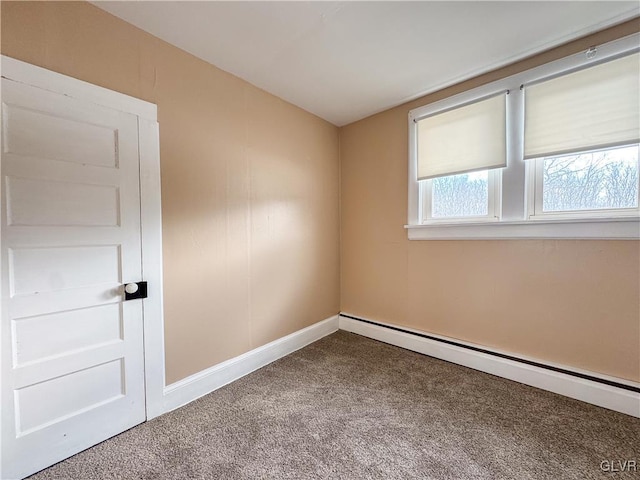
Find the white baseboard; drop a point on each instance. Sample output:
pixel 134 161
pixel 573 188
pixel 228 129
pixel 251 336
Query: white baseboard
pixel 589 391
pixel 189 389
pixel 202 383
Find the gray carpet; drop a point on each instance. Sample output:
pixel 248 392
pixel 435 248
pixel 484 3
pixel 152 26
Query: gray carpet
pixel 347 407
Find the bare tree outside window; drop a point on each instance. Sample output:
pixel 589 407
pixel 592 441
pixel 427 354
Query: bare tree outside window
pixel 465 195
pixel 603 179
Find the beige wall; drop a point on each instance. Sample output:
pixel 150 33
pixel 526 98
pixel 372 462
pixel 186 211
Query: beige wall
pixel 250 212
pixel 572 302
pixel 249 183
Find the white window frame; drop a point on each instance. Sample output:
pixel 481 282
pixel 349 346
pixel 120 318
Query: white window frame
pixel 515 208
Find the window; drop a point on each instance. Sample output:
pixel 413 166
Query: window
pixel 457 151
pixel 548 153
pixel 596 183
pixel 465 195
pixel 472 197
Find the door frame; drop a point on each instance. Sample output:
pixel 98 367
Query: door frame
pixel 150 205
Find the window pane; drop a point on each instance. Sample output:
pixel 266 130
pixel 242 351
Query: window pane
pixel 592 180
pixel 463 195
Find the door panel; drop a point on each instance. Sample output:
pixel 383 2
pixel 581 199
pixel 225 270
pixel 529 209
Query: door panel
pixel 69 394
pixel 72 349
pixel 52 136
pixel 42 336
pixel 39 203
pixel 35 270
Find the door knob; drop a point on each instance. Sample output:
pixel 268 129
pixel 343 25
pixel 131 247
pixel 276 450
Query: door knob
pixel 135 290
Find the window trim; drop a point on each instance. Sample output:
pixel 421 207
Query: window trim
pixel 620 228
pixel 516 190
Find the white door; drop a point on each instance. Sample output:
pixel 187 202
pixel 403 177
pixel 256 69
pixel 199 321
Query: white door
pixel 72 348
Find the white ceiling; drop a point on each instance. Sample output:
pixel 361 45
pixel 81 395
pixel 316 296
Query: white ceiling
pixel 344 61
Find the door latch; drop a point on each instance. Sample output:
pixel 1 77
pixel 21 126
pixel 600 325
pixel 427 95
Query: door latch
pixel 135 290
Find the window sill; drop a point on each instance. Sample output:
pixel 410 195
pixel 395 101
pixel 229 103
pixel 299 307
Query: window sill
pixel 622 228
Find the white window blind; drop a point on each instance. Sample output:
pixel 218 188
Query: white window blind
pixel 592 108
pixel 468 138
